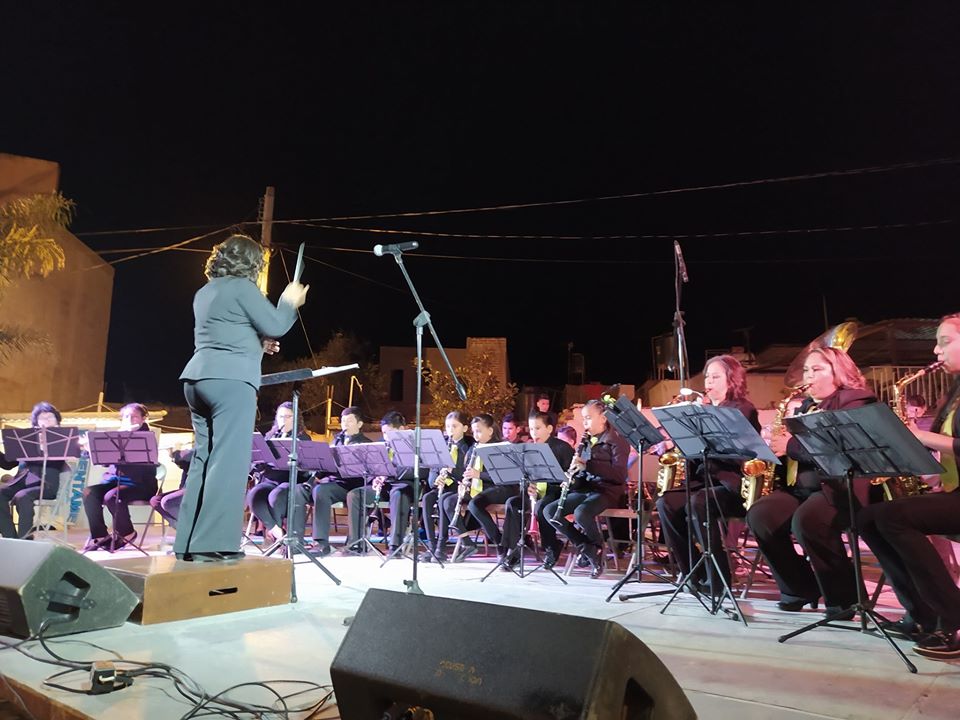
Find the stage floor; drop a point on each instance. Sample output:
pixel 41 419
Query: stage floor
pixel 727 670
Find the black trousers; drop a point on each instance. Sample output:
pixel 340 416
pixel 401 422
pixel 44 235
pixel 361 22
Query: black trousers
pixel 672 508
pixel 431 502
pixel 115 499
pixel 401 498
pixel 584 506
pixel 21 493
pixel 548 533
pixel 817 522
pixel 258 500
pixel 324 497
pixel 496 495
pixel 897 533
pixel 464 522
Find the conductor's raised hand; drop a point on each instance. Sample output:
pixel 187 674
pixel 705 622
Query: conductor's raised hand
pixel 295 294
pixel 270 346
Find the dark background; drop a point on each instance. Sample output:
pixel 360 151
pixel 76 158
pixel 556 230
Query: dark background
pixel 181 115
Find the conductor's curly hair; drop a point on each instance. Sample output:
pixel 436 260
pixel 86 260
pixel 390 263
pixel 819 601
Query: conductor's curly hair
pixel 237 256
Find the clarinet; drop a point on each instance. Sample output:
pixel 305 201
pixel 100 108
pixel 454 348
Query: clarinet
pixel 463 486
pixel 570 474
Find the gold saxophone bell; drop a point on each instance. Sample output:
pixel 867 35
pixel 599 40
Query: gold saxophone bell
pixel 671 472
pixel 754 467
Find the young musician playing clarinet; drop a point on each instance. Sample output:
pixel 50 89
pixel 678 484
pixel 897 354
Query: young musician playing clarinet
pixel 445 483
pixel 541 431
pixel 604 462
pixel 475 481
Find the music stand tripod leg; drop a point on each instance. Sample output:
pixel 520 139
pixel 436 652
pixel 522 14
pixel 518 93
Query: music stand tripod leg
pixel 861 606
pixel 636 563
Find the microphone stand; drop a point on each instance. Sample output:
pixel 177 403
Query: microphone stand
pixel 419 322
pixel 680 333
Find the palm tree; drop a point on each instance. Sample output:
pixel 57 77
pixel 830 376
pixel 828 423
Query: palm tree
pixel 28 249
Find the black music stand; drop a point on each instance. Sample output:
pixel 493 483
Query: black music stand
pixel 869 441
pixel 366 460
pixel 122 447
pixel 434 454
pixel 311 457
pixel 520 464
pixel 293 541
pixel 624 417
pixel 713 433
pixel 42 445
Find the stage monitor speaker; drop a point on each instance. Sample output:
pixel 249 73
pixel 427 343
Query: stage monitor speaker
pixel 414 656
pixel 44 583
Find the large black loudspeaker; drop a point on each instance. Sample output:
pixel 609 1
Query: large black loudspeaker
pixel 42 582
pixel 409 655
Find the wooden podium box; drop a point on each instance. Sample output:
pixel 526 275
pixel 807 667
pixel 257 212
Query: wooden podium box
pixel 171 589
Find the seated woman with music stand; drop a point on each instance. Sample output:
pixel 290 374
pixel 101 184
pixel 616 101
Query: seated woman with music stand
pixel 23 489
pixel 121 485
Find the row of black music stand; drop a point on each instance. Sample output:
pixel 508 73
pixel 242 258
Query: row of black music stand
pixel 869 442
pixel 57 444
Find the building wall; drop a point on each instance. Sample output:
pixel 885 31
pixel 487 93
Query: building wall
pixel 71 306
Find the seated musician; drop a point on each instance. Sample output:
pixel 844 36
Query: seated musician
pixel 399 489
pixel 897 531
pixel 23 488
pixel 475 481
pixel 121 484
pixel 568 434
pixel 493 494
pixel 442 484
pixel 603 464
pixel 167 504
pixel 725 382
pixel 811 506
pixel 541 431
pixel 333 489
pixel 267 499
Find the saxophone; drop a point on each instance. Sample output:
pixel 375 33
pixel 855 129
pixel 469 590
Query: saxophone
pixel 572 476
pixel 758 475
pixel 672 471
pixel 905 486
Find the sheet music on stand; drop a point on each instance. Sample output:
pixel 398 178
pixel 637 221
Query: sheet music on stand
pixel 262 453
pixel 869 441
pixel 720 432
pixel 510 463
pixel 312 455
pixel 27 444
pixel 434 452
pixel 122 447
pixel 363 460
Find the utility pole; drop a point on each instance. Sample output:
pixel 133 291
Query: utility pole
pixel 266 233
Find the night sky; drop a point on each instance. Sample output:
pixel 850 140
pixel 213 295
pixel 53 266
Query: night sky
pixel 183 114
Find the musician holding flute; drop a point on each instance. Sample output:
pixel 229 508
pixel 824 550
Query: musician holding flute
pixel 897 531
pixel 602 472
pixel 725 382
pixel 444 482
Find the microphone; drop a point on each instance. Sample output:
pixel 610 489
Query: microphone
pixel 680 263
pixel 395 249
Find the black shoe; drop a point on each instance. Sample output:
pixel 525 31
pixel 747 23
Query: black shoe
pixel 797 604
pixel 840 612
pixel 118 541
pixel 582 559
pixel 208 557
pixel 94 544
pixel 466 550
pixel 594 555
pixel 428 556
pixel 939 646
pixel 351 550
pixel 319 549
pixel 904 628
pixel 549 558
